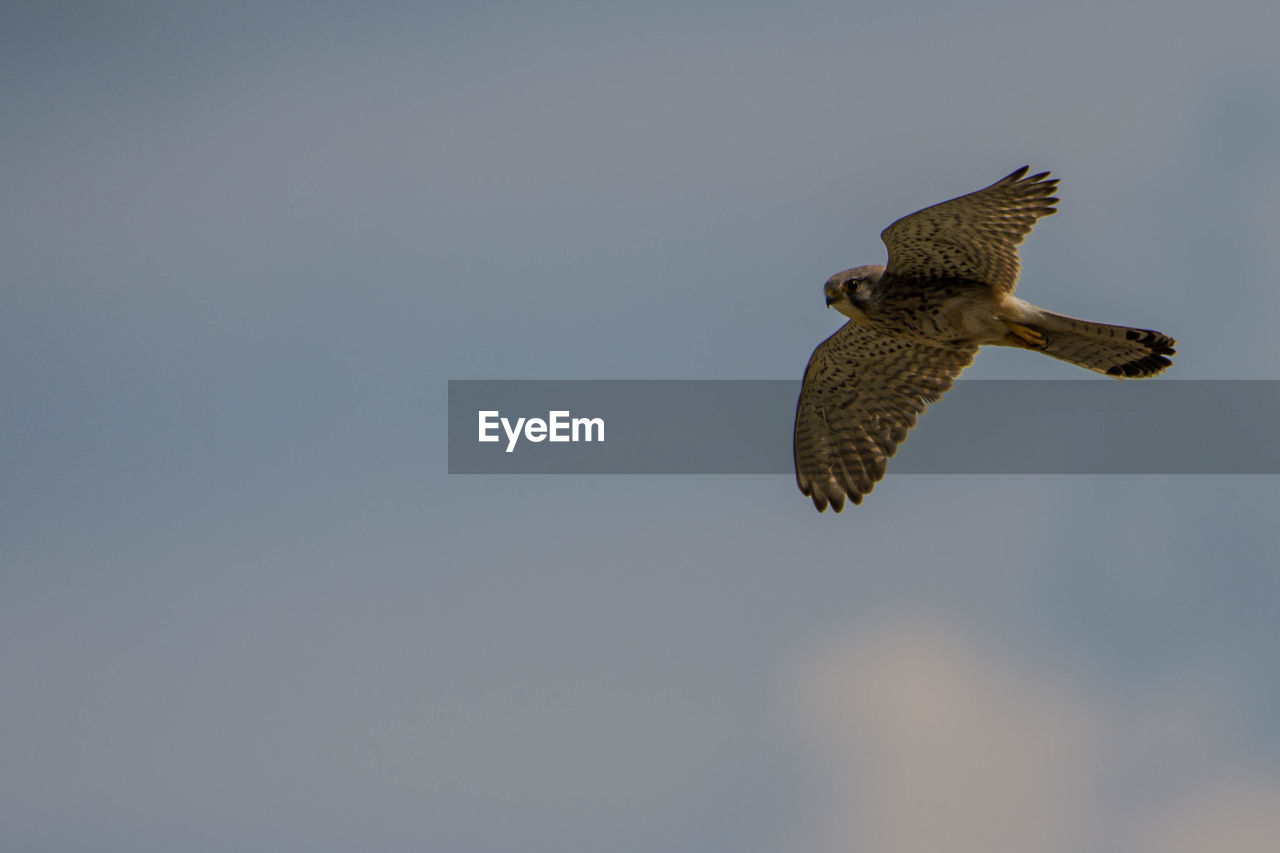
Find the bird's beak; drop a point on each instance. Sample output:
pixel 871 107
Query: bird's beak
pixel 831 300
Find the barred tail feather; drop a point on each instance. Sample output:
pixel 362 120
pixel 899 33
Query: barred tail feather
pixel 1118 351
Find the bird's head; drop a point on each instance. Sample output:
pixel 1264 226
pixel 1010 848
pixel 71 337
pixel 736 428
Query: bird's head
pixel 850 291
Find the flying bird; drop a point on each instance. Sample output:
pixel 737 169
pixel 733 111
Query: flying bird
pixel 915 323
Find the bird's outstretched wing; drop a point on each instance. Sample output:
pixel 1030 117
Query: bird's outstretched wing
pixel 862 392
pixel 973 237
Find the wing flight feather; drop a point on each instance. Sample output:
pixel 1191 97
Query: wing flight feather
pixel 862 393
pixel 973 237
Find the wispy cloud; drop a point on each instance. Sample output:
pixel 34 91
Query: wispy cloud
pixel 926 735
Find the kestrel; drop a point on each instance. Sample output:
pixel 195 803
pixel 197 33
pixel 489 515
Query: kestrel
pixel 916 323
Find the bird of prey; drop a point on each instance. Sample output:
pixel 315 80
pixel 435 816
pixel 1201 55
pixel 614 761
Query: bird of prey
pixel 915 323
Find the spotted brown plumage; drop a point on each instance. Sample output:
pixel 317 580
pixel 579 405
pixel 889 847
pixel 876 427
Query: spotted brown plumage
pixel 916 323
pixel 973 237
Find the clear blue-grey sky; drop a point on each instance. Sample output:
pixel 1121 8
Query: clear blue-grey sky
pixel 243 606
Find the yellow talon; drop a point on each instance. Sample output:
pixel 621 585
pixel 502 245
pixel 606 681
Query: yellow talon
pixel 1029 336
